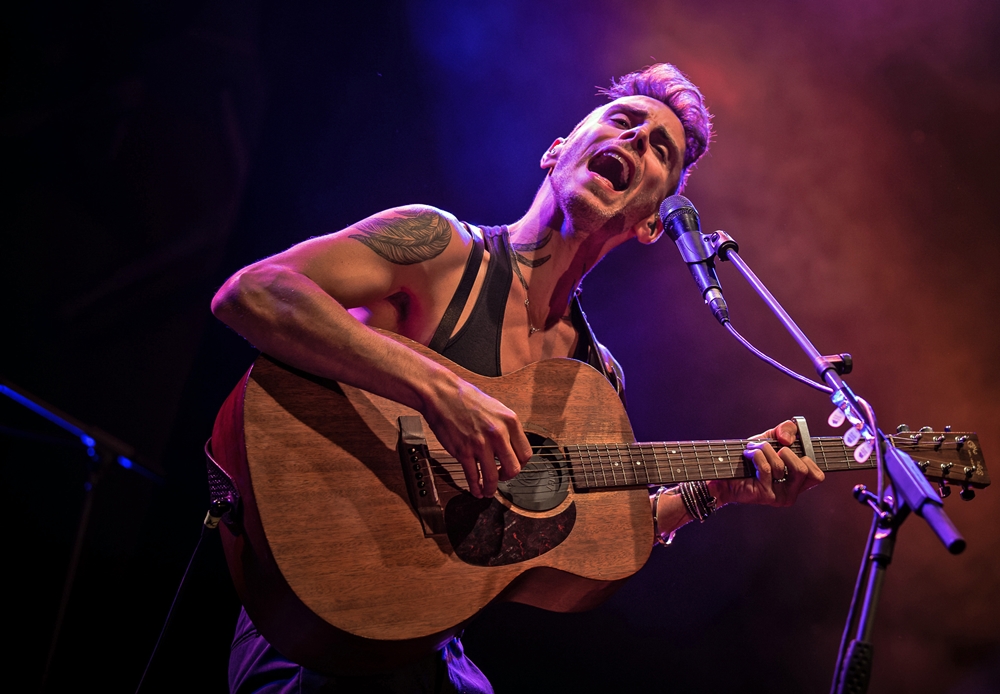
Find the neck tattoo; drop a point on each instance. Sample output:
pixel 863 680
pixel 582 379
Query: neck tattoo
pixel 527 302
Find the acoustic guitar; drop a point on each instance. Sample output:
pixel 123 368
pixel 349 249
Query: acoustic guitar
pixel 355 545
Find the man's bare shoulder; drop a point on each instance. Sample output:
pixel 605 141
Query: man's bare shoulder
pixel 410 234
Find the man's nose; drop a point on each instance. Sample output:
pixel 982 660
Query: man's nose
pixel 638 137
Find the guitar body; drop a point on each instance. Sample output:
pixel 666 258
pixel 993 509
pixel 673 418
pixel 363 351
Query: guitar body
pixel 331 558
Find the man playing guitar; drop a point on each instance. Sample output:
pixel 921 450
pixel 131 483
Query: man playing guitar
pixel 493 299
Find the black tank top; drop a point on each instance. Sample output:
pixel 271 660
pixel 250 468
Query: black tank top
pixel 477 345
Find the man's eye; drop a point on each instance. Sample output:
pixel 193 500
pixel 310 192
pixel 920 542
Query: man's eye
pixel 621 121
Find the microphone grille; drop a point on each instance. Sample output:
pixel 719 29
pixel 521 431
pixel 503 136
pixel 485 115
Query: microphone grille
pixel 675 205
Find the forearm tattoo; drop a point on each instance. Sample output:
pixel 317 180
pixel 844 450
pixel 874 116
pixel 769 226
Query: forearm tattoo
pixel 530 247
pixel 412 236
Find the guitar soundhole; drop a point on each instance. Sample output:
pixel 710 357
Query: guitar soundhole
pixel 543 483
pixel 484 532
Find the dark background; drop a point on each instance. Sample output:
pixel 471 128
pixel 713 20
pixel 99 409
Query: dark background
pixel 150 149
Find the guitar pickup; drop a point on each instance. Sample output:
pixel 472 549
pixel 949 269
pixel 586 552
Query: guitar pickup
pixel 416 461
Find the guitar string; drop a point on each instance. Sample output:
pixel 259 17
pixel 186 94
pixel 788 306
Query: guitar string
pixel 581 480
pixel 843 460
pixel 697 447
pixel 834 442
pixel 581 475
pixel 733 456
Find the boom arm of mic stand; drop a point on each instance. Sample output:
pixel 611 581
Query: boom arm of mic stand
pixel 907 478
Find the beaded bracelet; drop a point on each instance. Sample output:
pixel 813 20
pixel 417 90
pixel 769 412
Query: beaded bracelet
pixel 698 502
pixel 706 502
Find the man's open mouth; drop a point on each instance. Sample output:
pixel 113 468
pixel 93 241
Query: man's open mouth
pixel 614 167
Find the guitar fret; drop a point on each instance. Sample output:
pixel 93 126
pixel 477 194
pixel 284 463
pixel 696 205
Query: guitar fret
pixel 621 464
pixel 656 462
pixel 645 463
pixel 738 465
pixel 595 462
pixel 587 468
pixel 729 460
pixel 612 464
pixel 595 468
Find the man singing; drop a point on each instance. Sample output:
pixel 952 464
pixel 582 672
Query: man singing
pixel 492 299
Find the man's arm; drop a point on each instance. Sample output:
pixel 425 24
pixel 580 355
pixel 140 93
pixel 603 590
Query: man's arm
pixel 294 306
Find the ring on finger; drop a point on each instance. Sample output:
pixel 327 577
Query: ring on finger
pixel 784 477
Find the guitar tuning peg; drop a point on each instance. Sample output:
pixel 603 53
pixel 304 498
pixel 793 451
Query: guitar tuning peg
pixel 967 493
pixel 902 428
pixel 924 430
pixel 947 428
pixel 944 489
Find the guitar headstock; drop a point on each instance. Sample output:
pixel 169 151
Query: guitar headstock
pixel 947 457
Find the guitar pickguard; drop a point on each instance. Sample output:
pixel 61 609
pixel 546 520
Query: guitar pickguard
pixel 484 532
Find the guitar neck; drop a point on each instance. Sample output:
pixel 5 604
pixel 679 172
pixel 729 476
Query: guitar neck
pixel 608 466
pixel 947 456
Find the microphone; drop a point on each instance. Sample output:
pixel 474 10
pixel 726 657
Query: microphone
pixel 680 221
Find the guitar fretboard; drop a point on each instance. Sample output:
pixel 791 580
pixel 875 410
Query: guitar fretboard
pixel 608 466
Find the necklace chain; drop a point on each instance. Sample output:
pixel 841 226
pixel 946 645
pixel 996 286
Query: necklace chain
pixel 527 301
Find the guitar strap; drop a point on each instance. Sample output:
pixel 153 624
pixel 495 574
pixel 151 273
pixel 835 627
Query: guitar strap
pixel 596 354
pixel 461 296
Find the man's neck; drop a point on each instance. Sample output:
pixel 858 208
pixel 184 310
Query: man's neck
pixel 554 255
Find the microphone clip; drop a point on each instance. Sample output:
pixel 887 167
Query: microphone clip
pixel 695 247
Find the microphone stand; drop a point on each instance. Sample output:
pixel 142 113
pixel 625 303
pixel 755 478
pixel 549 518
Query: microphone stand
pixel 103 450
pixel 912 490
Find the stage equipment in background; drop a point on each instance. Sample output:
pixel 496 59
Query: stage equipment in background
pixel 348 516
pixel 221 502
pixel 902 484
pixel 103 451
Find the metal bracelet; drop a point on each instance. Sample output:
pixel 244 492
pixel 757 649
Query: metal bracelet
pixel 659 536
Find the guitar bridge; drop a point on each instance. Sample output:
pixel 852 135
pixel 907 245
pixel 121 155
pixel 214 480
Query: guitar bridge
pixel 415 458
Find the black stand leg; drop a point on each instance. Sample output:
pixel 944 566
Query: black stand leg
pixel 853 671
pixel 96 472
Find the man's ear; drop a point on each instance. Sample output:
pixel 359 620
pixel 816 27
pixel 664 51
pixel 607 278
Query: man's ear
pixel 650 229
pixel 551 155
